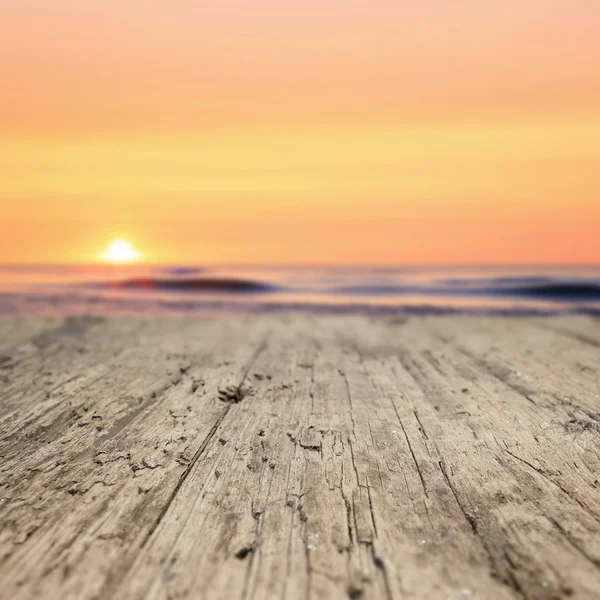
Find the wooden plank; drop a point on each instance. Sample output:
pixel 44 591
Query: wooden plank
pixel 43 368
pixel 527 486
pixel 550 370
pixel 302 457
pixel 15 331
pixel 95 493
pixel 583 329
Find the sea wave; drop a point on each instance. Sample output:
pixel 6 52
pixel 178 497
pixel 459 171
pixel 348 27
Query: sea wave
pixel 549 290
pixel 556 290
pixel 501 281
pixel 187 289
pixel 196 284
pixel 60 304
pixel 182 271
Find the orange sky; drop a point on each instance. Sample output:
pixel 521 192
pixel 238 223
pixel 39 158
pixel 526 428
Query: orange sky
pixel 381 131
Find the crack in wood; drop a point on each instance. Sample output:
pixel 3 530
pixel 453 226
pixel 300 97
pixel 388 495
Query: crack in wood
pixel 414 458
pixel 113 583
pixel 563 489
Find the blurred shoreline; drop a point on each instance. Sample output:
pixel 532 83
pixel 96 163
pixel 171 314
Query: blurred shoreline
pixel 142 289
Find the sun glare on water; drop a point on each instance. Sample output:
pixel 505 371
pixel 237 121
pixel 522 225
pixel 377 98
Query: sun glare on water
pixel 120 251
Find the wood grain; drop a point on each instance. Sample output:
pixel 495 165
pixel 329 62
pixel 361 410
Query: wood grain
pixel 300 457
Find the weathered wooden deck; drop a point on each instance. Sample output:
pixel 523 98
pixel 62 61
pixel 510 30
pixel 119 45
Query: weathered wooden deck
pixel 300 457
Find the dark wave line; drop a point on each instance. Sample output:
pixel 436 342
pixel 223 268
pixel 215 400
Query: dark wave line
pixel 231 286
pixel 557 291
pixel 550 290
pixel 508 281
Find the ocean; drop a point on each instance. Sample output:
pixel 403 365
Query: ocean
pixel 128 290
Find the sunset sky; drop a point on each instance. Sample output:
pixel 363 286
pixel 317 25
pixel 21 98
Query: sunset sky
pixel 301 131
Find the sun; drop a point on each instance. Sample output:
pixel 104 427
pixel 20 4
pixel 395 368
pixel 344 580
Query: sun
pixel 120 251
